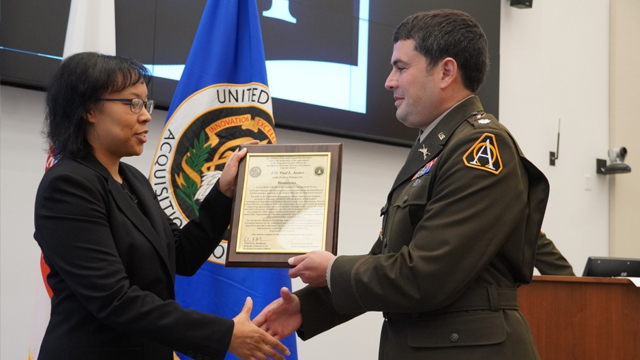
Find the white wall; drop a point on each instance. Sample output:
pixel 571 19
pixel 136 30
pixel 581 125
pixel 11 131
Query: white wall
pixel 22 160
pixel 554 65
pixel 624 127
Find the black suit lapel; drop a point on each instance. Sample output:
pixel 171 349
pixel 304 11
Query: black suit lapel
pixel 130 209
pixel 148 204
pixel 152 225
pixel 427 150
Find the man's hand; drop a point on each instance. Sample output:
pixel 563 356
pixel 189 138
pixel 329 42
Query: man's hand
pixel 311 267
pixel 250 342
pixel 282 317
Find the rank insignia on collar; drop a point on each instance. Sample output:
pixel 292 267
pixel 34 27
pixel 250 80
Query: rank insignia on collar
pixel 425 152
pixel 424 170
pixel 441 136
pixel 484 155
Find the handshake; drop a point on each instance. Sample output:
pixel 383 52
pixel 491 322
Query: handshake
pixel 259 339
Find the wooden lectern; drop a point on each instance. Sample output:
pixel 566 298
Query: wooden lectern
pixel 583 317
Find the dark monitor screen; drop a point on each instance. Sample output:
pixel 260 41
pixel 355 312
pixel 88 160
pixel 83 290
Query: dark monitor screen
pixel 611 267
pixel 327 60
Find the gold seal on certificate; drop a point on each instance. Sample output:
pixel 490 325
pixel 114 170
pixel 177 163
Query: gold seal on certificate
pixel 285 204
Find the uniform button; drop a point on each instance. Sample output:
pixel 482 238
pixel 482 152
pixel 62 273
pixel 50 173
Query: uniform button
pixel 454 337
pixel 190 353
pixel 207 358
pixel 199 357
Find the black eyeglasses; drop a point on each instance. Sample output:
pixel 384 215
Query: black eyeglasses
pixel 136 104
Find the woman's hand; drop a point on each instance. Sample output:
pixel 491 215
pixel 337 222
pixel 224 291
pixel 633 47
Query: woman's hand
pixel 250 342
pixel 227 182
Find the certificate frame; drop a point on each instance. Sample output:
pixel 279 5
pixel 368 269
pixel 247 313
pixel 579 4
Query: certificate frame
pixel 239 254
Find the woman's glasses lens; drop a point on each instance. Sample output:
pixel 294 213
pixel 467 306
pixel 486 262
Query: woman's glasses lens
pixel 137 105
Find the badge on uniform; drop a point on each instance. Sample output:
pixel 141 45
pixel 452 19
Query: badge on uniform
pixel 425 152
pixel 484 155
pixel 425 169
pixel 479 117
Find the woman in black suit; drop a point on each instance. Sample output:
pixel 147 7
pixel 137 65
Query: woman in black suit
pixel 112 251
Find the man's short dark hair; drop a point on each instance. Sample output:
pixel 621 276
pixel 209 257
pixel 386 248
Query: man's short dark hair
pixel 449 33
pixel 75 88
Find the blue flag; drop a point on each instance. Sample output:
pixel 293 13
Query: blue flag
pixel 222 101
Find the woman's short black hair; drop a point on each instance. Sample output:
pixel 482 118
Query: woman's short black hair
pixel 78 84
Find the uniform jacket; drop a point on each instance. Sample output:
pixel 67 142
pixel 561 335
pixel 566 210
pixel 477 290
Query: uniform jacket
pixel 113 263
pixel 549 260
pixel 459 235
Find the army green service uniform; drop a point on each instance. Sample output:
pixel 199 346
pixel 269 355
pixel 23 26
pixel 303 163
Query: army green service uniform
pixel 459 236
pixel 549 260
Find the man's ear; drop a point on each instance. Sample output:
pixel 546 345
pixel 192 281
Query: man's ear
pixel 449 68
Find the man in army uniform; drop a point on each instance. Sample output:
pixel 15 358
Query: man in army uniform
pixel 460 224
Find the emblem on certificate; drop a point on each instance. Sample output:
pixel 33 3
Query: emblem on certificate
pixel 286 203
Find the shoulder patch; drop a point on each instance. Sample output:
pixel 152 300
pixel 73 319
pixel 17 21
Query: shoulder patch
pixel 484 155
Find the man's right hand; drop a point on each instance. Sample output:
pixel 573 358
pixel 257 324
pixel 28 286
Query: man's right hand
pixel 250 342
pixel 282 317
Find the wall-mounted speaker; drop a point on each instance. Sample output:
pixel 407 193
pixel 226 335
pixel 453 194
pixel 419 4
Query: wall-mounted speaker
pixel 522 4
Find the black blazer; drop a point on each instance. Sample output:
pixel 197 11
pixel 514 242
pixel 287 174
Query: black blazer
pixel 113 263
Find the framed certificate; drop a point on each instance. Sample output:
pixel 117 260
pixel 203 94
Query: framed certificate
pixel 286 203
